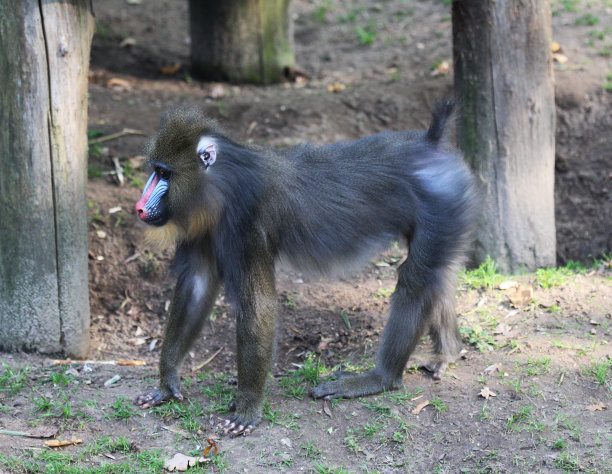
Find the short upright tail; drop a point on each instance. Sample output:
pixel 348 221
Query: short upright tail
pixel 440 116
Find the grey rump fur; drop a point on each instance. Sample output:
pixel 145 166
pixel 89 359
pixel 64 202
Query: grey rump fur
pixel 320 207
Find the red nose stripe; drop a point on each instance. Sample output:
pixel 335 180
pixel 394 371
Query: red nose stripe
pixel 142 202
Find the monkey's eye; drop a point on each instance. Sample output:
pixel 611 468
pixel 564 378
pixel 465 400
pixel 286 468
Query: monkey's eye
pixel 162 172
pixel 205 155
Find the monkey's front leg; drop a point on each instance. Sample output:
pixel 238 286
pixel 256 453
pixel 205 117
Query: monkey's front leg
pixel 193 300
pixel 256 316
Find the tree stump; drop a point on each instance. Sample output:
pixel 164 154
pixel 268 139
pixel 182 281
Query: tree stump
pixel 504 84
pixel 44 58
pixel 241 40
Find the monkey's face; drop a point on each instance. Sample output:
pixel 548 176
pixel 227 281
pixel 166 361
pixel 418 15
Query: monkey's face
pixel 179 188
pixel 152 207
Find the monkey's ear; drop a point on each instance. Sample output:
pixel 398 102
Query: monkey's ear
pixel 207 151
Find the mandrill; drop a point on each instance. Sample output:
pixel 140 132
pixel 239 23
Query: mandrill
pixel 233 210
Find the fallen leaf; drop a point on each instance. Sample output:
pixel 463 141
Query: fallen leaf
pixel 492 368
pixel 599 407
pixel 217 92
pixel 169 70
pixel 100 234
pixel 56 443
pixel 441 69
pixel 118 84
pixel 212 444
pixel 131 362
pixel 506 285
pixel 326 408
pixel 486 393
pixel 559 58
pixel 177 430
pixel 181 463
pixel 419 407
pixel 502 328
pixel 286 442
pixel 555 47
pixel 127 42
pixel 336 87
pixel 112 380
pixel 521 296
pixel 114 210
pixel 137 341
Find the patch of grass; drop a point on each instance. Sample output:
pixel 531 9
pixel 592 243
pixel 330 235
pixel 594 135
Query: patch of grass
pixel 376 407
pixel 61 378
pixel 550 277
pixel 587 19
pixel 310 450
pixel 438 405
pixel 311 370
pixel 108 444
pixel 370 429
pixel 320 468
pixel 122 408
pixel 538 366
pixel 478 337
pixel 485 276
pixel 568 462
pixel 367 34
pixel 290 300
pixel 13 380
pixel 602 373
pixel 402 397
pixel 520 418
pixel 320 13
pixel 274 417
pixel 384 292
pixel 560 444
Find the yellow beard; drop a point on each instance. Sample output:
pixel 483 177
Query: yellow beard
pixel 164 236
pixel 171 234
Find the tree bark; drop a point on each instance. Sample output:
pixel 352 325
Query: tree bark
pixel 44 58
pixel 241 40
pixel 504 83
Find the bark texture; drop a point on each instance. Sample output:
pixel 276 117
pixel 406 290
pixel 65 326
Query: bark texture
pixel 241 40
pixel 504 83
pixel 44 58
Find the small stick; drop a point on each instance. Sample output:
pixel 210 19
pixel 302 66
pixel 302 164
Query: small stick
pixel 113 136
pixel 119 171
pixel 207 361
pixel 121 362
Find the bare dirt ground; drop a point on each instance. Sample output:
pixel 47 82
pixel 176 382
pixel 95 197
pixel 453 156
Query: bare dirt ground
pixel 545 357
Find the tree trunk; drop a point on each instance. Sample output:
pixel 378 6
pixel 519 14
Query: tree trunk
pixel 241 40
pixel 504 83
pixel 44 57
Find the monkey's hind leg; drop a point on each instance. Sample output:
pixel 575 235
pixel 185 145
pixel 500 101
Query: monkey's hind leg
pixel 443 328
pixel 424 285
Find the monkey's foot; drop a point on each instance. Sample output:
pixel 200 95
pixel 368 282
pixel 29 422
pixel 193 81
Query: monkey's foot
pixel 437 368
pixel 157 396
pixel 349 385
pixel 238 424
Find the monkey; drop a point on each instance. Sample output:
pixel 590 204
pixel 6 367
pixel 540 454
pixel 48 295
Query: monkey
pixel 232 210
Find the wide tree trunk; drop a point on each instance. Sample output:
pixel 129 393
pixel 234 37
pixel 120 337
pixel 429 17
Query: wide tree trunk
pixel 44 57
pixel 241 40
pixel 504 83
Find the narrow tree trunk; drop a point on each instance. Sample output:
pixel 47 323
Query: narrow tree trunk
pixel 241 40
pixel 44 57
pixel 504 83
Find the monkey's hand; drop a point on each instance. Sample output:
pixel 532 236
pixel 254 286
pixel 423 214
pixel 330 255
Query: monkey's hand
pixel 240 423
pixel 349 385
pixel 157 396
